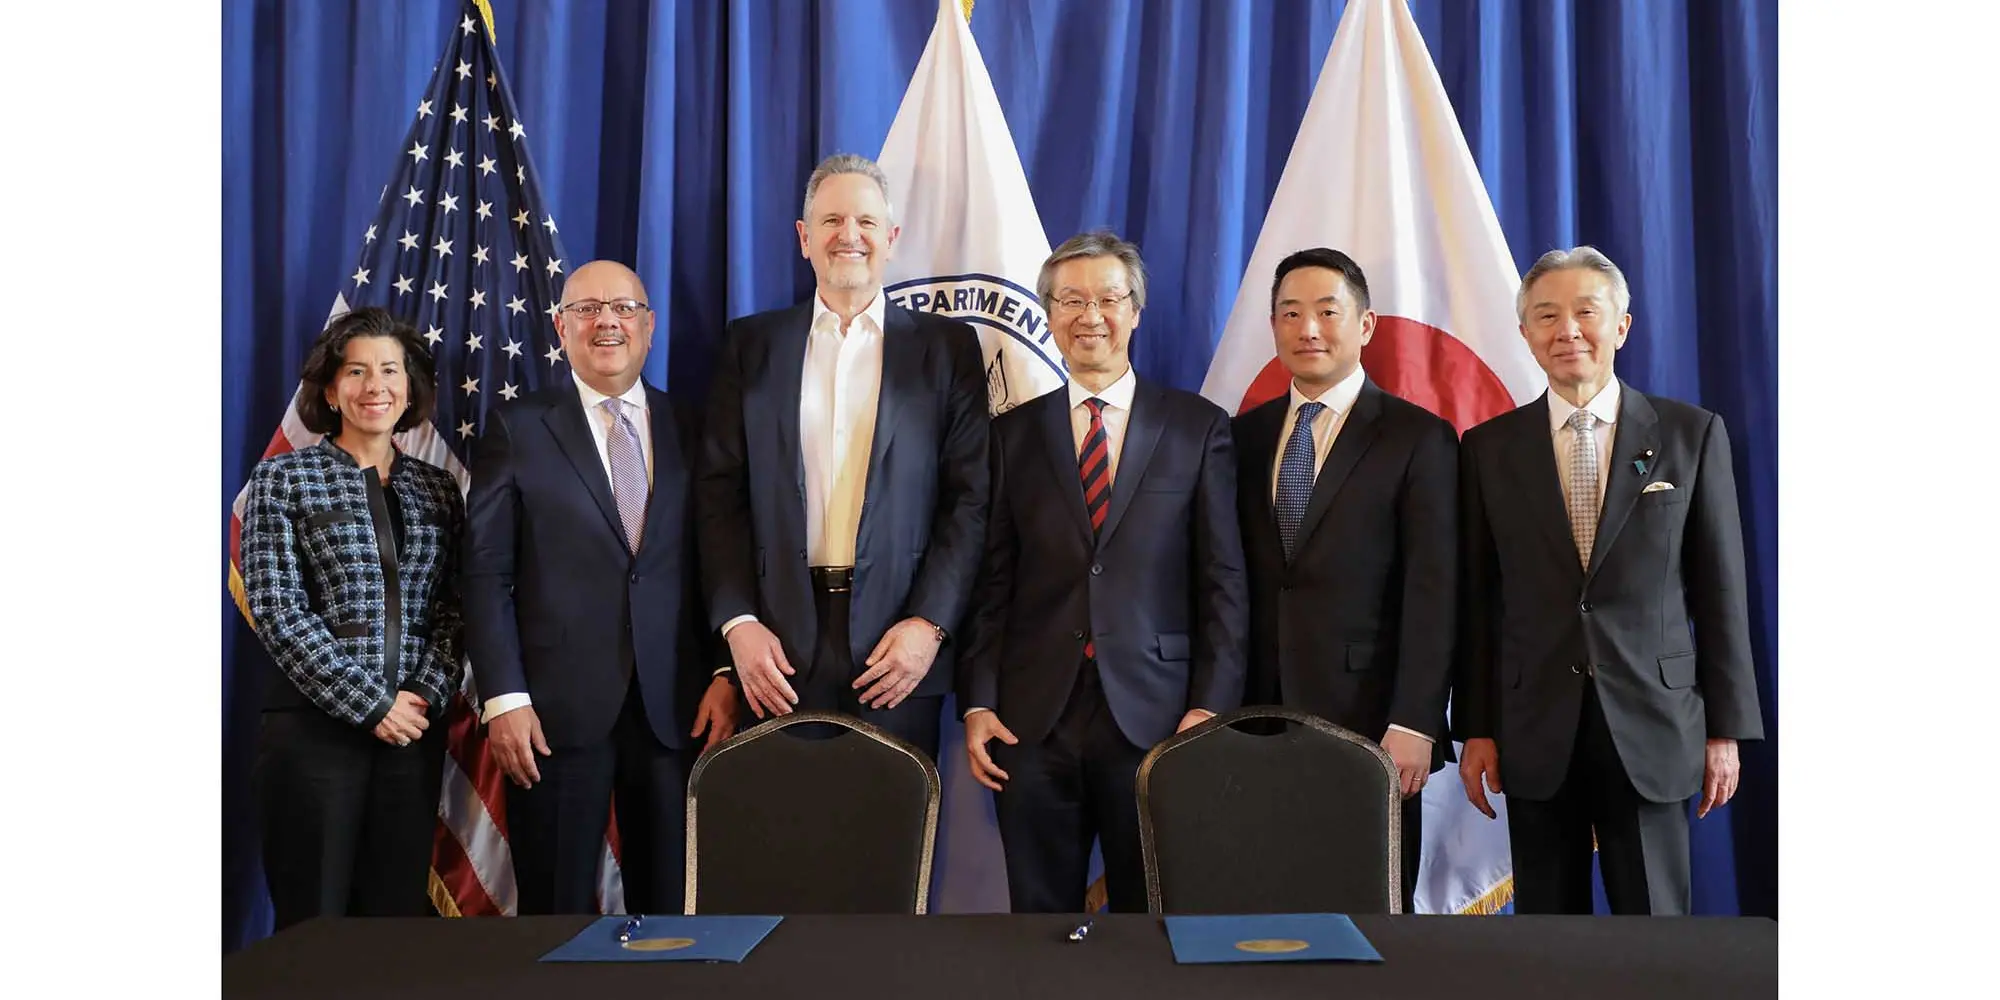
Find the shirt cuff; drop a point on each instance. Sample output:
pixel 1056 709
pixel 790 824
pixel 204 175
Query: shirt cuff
pixel 501 704
pixel 733 622
pixel 969 711
pixel 1412 732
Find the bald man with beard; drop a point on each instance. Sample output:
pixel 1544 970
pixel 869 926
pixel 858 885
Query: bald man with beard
pixel 582 610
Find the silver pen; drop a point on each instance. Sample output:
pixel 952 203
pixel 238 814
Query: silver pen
pixel 629 928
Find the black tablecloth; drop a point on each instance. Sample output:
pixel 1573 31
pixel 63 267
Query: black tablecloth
pixel 1016 957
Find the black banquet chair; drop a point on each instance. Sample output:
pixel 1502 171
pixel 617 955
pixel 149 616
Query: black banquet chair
pixel 839 817
pixel 1267 810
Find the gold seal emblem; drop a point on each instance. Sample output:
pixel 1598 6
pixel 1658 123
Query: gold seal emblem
pixel 659 944
pixel 1272 946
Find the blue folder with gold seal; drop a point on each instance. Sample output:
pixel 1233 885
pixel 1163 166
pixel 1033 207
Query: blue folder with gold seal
pixel 665 939
pixel 1268 937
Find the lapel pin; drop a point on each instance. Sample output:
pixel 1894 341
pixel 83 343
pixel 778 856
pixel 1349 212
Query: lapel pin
pixel 1640 463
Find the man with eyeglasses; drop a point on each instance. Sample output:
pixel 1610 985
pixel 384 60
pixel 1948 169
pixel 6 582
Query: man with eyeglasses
pixel 842 491
pixel 1112 611
pixel 582 610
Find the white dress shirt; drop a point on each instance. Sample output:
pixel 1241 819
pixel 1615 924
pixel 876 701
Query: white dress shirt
pixel 1339 402
pixel 600 432
pixel 1326 426
pixel 1605 407
pixel 839 392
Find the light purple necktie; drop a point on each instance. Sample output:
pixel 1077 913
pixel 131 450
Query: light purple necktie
pixel 628 471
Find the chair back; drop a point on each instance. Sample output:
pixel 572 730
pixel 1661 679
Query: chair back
pixel 811 812
pixel 1268 810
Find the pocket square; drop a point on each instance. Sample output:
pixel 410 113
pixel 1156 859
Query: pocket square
pixel 1657 487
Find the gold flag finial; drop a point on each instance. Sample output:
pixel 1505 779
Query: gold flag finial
pixel 966 6
pixel 486 15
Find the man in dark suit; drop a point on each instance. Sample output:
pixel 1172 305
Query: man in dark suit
pixel 842 490
pixel 581 613
pixel 1112 609
pixel 1605 672
pixel 1349 502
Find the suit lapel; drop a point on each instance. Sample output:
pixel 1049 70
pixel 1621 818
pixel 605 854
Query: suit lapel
pixel 1061 441
pixel 788 370
pixel 902 368
pixel 1539 485
pixel 566 422
pixel 1349 445
pixel 1637 433
pixel 667 461
pixel 1142 433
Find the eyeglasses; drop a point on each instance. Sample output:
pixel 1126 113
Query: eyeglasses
pixel 589 308
pixel 1072 306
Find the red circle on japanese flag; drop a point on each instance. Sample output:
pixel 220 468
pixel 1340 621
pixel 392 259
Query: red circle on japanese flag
pixel 1418 362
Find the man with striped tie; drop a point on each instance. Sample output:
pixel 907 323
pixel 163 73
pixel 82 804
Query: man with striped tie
pixel 1349 499
pixel 1112 611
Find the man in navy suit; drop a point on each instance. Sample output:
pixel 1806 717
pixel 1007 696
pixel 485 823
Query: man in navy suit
pixel 1349 501
pixel 1112 611
pixel 581 611
pixel 1605 673
pixel 842 490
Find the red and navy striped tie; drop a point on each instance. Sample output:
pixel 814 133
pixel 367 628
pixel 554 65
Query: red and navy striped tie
pixel 1093 463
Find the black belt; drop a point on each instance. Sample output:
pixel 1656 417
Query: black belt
pixel 832 579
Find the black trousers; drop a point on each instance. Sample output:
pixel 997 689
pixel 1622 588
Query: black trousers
pixel 556 829
pixel 828 685
pixel 1075 786
pixel 347 820
pixel 1642 846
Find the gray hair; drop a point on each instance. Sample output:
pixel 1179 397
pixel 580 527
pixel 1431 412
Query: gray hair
pixel 845 163
pixel 1097 243
pixel 1585 257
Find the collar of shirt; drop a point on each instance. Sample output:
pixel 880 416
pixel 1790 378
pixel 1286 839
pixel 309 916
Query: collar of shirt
pixel 875 314
pixel 1118 394
pixel 592 399
pixel 1339 399
pixel 1604 405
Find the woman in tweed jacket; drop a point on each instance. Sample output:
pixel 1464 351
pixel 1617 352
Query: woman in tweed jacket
pixel 350 559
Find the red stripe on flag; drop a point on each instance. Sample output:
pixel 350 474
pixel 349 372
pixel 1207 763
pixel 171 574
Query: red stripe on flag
pixel 468 750
pixel 455 869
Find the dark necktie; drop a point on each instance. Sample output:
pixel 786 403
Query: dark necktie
pixel 1295 477
pixel 1093 463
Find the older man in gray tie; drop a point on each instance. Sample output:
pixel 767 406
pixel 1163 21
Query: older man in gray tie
pixel 1604 677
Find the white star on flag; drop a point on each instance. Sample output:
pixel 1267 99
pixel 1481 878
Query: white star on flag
pixel 420 151
pixel 485 210
pixel 402 285
pixel 520 262
pixel 470 385
pixel 450 203
pixel 478 297
pixel 492 123
pixel 465 429
pixel 437 291
pixel 521 218
pixel 549 222
pixel 442 246
pixel 508 390
pixel 455 158
pixel 479 257
pixel 471 343
pixel 464 69
pixel 517 131
pixel 513 350
pixel 360 276
pixel 465 26
pixel 415 197
pixel 517 305
pixel 409 240
pixel 554 267
pixel 555 354
pixel 434 334
pixel 486 165
pixel 369 236
pixel 423 110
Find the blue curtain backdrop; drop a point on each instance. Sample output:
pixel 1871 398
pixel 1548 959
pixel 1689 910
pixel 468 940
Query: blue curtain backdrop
pixel 677 136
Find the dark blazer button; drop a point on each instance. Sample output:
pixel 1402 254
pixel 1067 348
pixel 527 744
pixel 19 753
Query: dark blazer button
pixel 635 578
pixel 1584 607
pixel 1096 570
pixel 1078 634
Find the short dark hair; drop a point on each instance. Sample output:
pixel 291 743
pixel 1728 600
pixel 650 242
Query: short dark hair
pixel 323 366
pixel 1332 260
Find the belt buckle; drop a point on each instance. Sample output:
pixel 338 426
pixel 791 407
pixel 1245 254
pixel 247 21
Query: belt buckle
pixel 834 579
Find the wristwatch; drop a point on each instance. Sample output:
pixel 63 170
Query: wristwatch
pixel 942 635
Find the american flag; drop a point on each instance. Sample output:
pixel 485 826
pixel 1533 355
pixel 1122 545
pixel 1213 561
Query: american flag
pixel 462 246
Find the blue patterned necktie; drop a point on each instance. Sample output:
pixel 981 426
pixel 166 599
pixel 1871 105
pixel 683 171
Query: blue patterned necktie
pixel 1295 477
pixel 628 471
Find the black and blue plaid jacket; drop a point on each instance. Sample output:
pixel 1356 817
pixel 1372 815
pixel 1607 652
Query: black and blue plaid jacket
pixel 350 612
